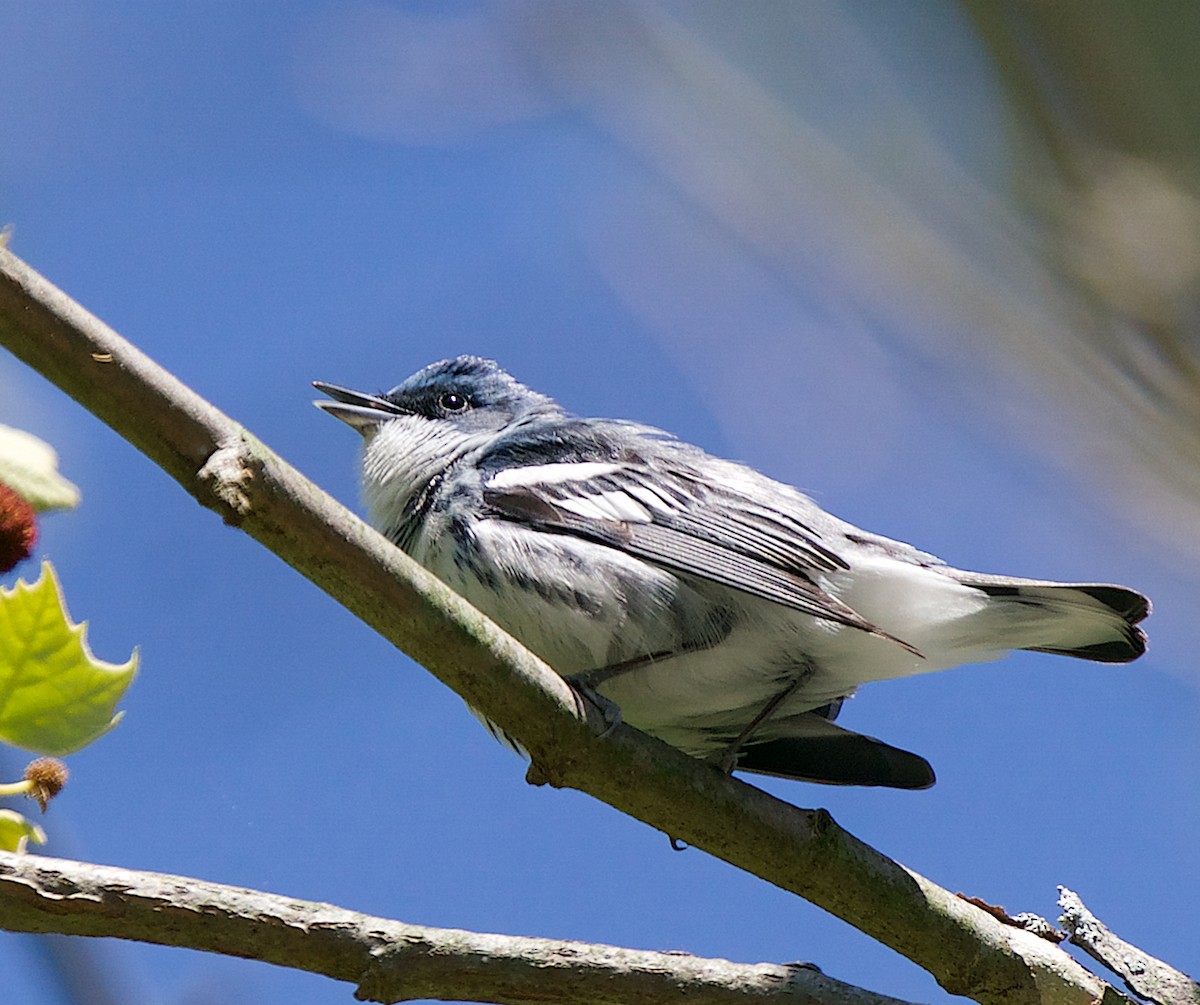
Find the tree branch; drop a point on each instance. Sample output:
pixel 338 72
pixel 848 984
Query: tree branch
pixel 1144 975
pixel 226 469
pixel 388 960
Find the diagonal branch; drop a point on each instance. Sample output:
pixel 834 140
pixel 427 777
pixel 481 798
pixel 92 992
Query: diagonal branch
pixel 226 469
pixel 389 961
pixel 1144 975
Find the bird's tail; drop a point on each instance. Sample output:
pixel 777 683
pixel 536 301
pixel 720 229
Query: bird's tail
pixel 1091 621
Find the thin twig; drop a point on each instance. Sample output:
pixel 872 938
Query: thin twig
pixel 1145 976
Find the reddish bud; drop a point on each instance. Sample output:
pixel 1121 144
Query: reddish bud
pixel 18 529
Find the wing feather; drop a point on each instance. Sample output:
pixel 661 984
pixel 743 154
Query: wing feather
pixel 668 516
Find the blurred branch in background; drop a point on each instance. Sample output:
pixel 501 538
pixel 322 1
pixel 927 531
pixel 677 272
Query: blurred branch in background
pixel 1005 194
pixel 1106 114
pixel 1077 281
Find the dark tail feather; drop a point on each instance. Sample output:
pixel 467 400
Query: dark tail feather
pixel 820 751
pixel 1097 621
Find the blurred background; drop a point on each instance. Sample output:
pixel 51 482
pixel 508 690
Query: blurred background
pixel 936 264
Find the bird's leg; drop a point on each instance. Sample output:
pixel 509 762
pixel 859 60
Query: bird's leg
pixel 592 679
pixel 726 759
pixel 587 682
pixel 717 624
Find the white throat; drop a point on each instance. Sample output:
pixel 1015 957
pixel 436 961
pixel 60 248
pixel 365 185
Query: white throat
pixel 400 460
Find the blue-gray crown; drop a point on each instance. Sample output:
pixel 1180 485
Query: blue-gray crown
pixel 463 384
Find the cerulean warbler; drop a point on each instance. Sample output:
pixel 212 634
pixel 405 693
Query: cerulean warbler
pixel 719 610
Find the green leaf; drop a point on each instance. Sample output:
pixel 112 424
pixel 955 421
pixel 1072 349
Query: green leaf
pixel 31 468
pixel 55 696
pixel 16 831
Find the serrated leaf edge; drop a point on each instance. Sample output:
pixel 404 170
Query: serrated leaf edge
pixel 78 630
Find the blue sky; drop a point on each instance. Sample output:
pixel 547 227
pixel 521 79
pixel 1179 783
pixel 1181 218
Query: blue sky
pixel 260 195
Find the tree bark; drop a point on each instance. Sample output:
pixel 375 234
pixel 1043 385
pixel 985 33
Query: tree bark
pixel 389 961
pixel 1144 975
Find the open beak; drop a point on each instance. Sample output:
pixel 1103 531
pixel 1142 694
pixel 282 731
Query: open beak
pixel 362 411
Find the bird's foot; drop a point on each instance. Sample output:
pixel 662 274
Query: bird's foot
pixel 726 758
pixel 609 711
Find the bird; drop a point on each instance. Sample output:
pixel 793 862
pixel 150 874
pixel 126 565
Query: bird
pixel 705 603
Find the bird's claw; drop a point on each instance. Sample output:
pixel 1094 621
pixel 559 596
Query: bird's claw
pixel 608 710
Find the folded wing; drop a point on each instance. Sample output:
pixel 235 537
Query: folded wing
pixel 673 519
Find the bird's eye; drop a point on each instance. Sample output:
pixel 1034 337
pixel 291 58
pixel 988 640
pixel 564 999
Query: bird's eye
pixel 452 401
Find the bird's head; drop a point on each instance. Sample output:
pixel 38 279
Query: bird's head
pixel 417 431
pixel 470 394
